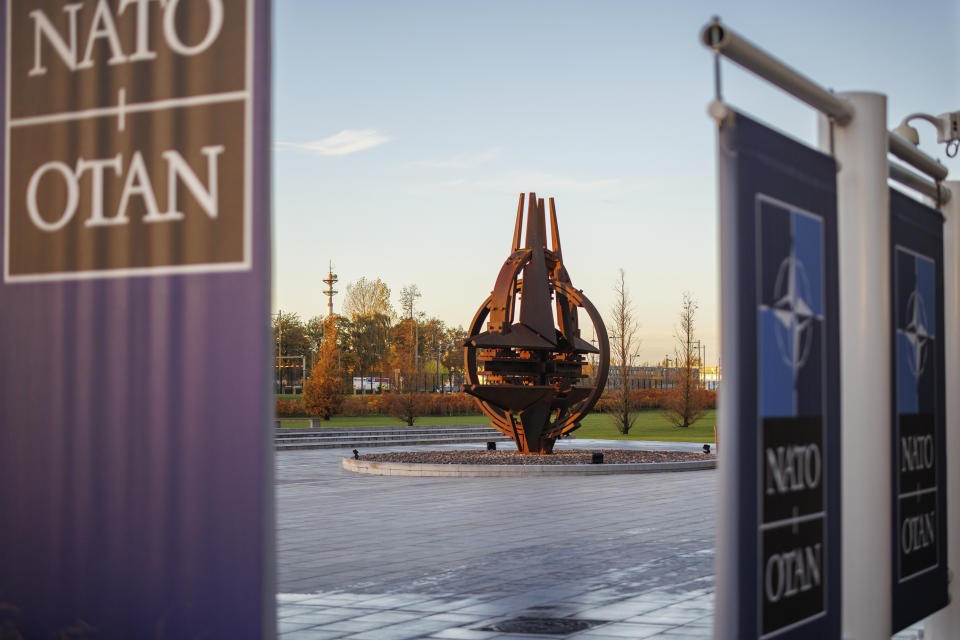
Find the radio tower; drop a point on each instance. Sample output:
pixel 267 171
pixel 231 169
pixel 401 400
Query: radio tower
pixel 330 280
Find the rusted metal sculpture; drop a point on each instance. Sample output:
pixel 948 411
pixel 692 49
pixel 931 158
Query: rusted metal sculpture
pixel 527 376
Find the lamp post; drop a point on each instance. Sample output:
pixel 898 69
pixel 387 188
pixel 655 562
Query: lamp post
pixel 436 346
pixel 699 363
pixel 632 372
pixel 276 357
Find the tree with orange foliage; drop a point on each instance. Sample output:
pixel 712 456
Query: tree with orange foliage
pixel 323 391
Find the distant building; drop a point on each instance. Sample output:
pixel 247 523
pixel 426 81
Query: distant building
pixel 660 377
pixel 710 377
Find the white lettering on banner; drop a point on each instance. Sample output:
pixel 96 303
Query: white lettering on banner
pixel 793 468
pixel 916 452
pixel 137 183
pixel 792 572
pixel 73 196
pixel 213 29
pixel 104 27
pixel 917 532
pixel 177 167
pixel 96 189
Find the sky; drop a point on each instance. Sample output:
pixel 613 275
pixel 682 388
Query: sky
pixel 404 133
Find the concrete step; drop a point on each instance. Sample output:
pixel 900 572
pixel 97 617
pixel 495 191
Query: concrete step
pixel 353 437
pixel 399 442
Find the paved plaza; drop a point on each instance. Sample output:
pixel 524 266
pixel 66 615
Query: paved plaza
pixel 388 558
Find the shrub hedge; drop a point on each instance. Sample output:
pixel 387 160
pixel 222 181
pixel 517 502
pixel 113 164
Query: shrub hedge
pixel 461 404
pixel 427 404
pixel 650 399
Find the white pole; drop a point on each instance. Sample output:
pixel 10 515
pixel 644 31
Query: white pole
pixel 945 624
pixel 863 211
pixel 727 587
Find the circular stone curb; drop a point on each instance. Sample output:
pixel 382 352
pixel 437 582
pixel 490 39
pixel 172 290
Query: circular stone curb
pixel 375 468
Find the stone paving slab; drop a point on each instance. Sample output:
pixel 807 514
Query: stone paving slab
pixel 379 557
pixel 424 469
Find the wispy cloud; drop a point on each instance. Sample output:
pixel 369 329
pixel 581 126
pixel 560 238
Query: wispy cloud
pixel 555 183
pixel 541 182
pixel 346 142
pixel 459 161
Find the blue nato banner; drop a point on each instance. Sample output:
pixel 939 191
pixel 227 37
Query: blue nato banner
pixel 918 426
pixel 780 300
pixel 136 493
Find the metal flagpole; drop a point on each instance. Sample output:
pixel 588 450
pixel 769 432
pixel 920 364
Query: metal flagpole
pixel 863 220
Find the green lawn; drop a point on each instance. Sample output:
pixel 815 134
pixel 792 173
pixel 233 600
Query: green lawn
pixel 650 425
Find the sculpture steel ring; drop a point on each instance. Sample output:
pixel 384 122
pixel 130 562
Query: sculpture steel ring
pixel 528 376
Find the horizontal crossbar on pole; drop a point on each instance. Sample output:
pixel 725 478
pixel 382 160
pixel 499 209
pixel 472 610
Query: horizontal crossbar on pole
pixel 731 45
pixel 728 43
pixel 901 148
pixel 899 173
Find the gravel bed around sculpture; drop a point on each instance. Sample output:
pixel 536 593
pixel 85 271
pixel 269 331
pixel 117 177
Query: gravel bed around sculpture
pixel 566 456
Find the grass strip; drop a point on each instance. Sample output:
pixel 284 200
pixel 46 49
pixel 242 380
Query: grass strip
pixel 650 425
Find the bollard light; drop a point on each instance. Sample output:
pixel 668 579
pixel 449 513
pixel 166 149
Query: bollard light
pixel 491 446
pixel 597 458
pixel 706 448
pixel 356 454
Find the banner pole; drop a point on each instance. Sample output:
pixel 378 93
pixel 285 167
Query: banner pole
pixel 729 528
pixel 943 625
pixel 863 219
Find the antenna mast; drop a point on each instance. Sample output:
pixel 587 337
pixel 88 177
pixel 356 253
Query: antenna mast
pixel 330 280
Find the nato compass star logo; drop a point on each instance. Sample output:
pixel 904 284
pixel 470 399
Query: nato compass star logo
pixel 917 333
pixel 793 312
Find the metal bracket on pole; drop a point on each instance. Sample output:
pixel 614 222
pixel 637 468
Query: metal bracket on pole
pixel 725 42
pixel 929 188
pixel 916 158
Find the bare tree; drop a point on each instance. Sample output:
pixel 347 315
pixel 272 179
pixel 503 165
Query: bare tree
pixel 408 302
pixel 623 343
pixel 367 298
pixel 685 403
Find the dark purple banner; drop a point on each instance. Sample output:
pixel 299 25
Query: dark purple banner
pixel 778 555
pixel 918 425
pixel 136 467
